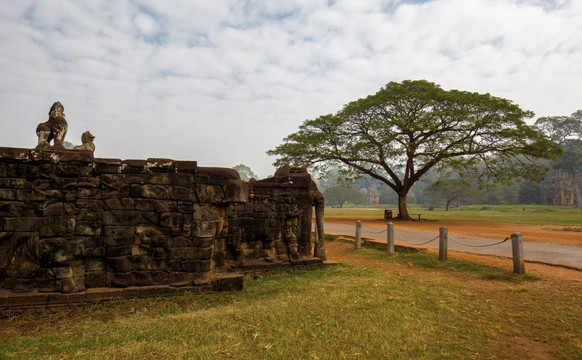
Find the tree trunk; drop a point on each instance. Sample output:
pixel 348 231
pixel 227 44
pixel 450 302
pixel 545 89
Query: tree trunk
pixel 402 209
pixel 448 204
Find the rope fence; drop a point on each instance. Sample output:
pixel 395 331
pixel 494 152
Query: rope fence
pixel 409 243
pixel 373 232
pixel 477 246
pixel 443 237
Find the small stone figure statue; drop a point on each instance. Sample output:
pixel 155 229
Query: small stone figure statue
pixel 87 141
pixel 54 129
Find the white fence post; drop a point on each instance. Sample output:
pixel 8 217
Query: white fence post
pixel 443 243
pixel 390 239
pixel 358 234
pixel 517 250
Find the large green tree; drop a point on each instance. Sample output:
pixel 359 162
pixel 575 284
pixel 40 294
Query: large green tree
pixel 245 172
pixel 341 194
pixel 398 134
pixel 450 190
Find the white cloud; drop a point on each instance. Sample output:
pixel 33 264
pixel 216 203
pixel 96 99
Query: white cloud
pixel 222 82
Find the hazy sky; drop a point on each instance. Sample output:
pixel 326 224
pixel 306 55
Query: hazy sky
pixel 221 82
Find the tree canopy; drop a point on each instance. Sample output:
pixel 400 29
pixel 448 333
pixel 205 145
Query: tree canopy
pixel 398 134
pixel 245 172
pixel 450 190
pixel 341 194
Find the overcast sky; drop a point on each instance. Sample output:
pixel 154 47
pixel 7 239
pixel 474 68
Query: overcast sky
pixel 222 82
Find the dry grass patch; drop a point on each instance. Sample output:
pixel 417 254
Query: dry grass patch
pixel 364 310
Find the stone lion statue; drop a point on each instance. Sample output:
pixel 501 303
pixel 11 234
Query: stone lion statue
pixel 54 129
pixel 87 141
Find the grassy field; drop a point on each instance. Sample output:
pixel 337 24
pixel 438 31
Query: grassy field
pixel 533 214
pixel 408 306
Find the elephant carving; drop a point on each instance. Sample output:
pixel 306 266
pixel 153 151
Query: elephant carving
pixel 316 200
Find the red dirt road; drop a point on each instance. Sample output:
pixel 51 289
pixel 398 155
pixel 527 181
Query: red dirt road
pixel 533 233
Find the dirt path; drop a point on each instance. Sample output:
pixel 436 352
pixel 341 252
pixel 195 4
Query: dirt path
pixel 340 251
pixel 534 233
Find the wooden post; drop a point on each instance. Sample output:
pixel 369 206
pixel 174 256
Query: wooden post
pixel 358 234
pixel 443 243
pixel 390 239
pixel 517 250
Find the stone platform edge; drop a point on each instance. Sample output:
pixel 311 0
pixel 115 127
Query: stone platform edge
pixel 230 281
pixel 34 299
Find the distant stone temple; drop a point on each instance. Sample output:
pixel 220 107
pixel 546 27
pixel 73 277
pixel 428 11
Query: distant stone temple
pixel 371 195
pixel 562 189
pixel 75 228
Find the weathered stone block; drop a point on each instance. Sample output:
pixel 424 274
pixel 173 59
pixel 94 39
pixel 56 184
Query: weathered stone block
pixel 204 253
pixel 15 208
pixel 129 218
pixel 150 191
pixel 118 251
pixel 202 242
pixel 183 253
pixel 182 180
pixel 96 252
pixel 88 228
pixel 13 183
pixel 120 264
pixel 86 193
pixel 60 251
pixel 15 170
pixel 119 235
pixel 7 194
pixel 181 278
pixel 171 220
pixel 120 279
pixel 204 266
pixel 158 179
pixel 236 191
pixel 134 167
pixel 28 224
pixel 208 229
pixel 203 193
pixel 57 226
pixel 12 154
pixel 159 253
pixel 142 278
pixel 59 209
pixel 189 167
pixel 119 204
pixel 94 265
pixel 185 207
pixel 160 165
pixel 152 236
pixel 228 282
pixel 95 279
pixel 27 195
pixel 107 166
pixel 179 193
pixel 180 241
pixel 89 204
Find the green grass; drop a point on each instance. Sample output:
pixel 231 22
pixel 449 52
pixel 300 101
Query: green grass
pixel 402 307
pixel 534 214
pixel 422 258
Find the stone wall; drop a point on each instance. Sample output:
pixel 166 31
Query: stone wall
pixel 70 222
